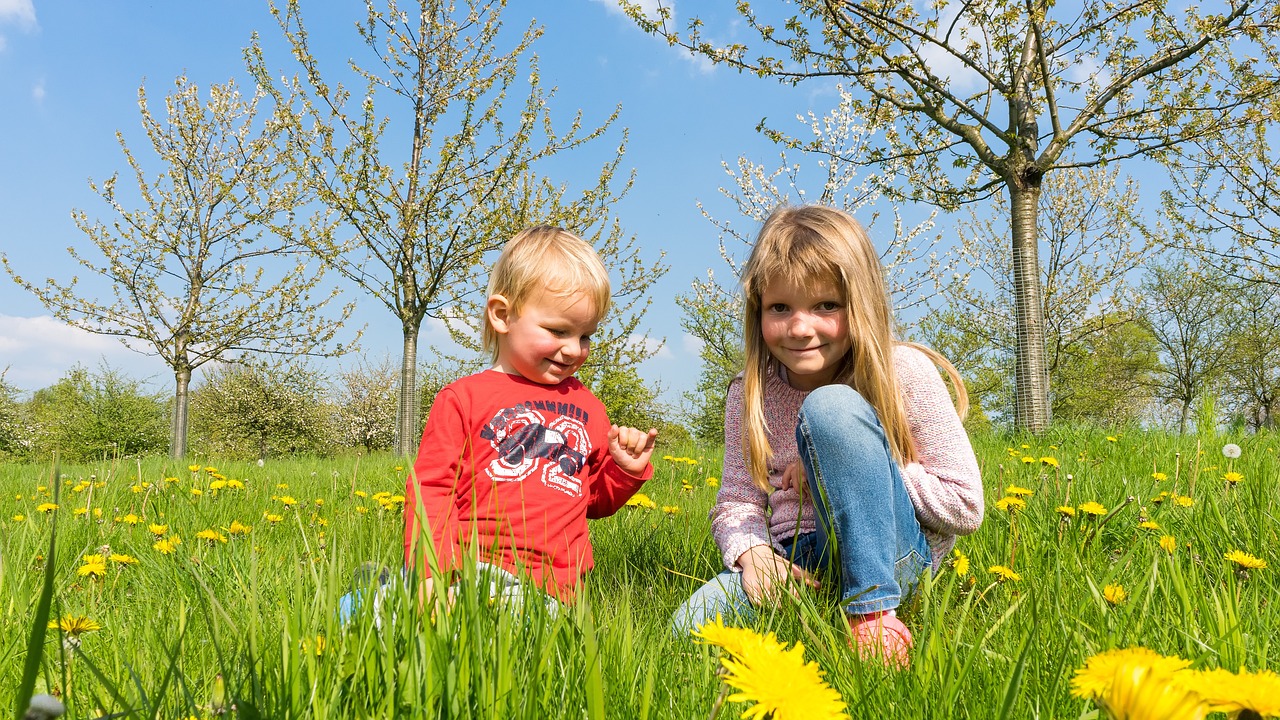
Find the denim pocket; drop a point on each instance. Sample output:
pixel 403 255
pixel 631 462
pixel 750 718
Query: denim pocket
pixel 908 569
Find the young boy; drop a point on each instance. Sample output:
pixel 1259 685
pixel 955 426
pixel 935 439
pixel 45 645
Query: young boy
pixel 516 458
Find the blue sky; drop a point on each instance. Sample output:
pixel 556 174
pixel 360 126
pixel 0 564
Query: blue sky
pixel 69 74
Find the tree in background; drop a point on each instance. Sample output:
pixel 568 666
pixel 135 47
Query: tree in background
pixel 256 411
pixel 364 406
pixel 1252 396
pixel 914 269
pixel 1094 239
pixel 15 428
pixel 214 264
pixel 1184 303
pixel 979 97
pixel 1107 376
pixel 425 166
pixel 90 415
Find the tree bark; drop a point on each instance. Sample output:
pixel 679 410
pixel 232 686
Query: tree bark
pixel 407 416
pixel 178 426
pixel 1031 379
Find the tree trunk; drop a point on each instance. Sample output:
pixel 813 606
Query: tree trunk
pixel 1182 420
pixel 1031 379
pixel 407 416
pixel 178 425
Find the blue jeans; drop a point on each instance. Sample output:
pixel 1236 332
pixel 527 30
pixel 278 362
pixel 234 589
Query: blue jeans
pixel 868 539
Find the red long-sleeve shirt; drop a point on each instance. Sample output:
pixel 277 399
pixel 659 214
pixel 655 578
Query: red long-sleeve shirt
pixel 510 470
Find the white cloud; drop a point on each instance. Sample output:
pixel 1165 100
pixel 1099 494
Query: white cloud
pixel 654 347
pixel 692 344
pixel 648 7
pixel 19 12
pixel 40 350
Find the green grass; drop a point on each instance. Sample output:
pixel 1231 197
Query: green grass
pixel 251 623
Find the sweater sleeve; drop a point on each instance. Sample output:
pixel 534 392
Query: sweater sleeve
pixel 433 488
pixel 945 484
pixel 738 520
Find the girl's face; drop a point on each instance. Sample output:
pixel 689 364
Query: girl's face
pixel 805 329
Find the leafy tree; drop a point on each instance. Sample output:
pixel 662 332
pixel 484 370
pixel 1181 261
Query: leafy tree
pixel 426 167
pixel 214 263
pixel 914 270
pixel 365 406
pixel 1253 385
pixel 256 411
pixel 1185 306
pixel 87 415
pixel 1106 376
pixel 15 431
pixel 1094 240
pixel 975 97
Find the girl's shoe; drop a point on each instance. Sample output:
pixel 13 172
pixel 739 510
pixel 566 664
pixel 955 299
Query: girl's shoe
pixel 881 637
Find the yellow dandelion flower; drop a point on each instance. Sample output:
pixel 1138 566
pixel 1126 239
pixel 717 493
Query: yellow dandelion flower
pixel 671 509
pixel 960 563
pixel 235 484
pixel 777 682
pixel 1139 692
pixel 1232 477
pixel 137 488
pixel 1066 511
pixel 74 625
pixel 211 469
pixel 46 508
pixel 1168 543
pixel 1112 438
pixel 122 559
pixel 1027 459
pixel 1016 491
pixel 319 502
pixel 1003 573
pixel 733 640
pixel 641 500
pixel 1245 561
pixel 80 511
pixel 361 494
pixel 287 501
pixel 1159 476
pixel 19 517
pixel 164 547
pixel 1114 594
pixel 158 530
pixel 1093 508
pixel 1183 501
pixel 1095 679
pixel 362 510
pixel 1049 460
pixel 1010 503
pixel 1149 525
pixel 239 528
pixel 713 482
pixel 197 492
pixel 193 468
pixel 217 485
pixel 170 480
pixel 93 558
pixel 130 519
pixel 272 517
pixel 399 468
pixel 92 569
pixel 213 536
pixel 282 486
pixel 1233 693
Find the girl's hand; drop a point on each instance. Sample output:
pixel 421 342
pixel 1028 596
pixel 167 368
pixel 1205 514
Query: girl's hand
pixel 631 448
pixel 765 572
pixel 793 477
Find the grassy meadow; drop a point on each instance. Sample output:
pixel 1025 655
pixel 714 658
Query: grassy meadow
pixel 212 590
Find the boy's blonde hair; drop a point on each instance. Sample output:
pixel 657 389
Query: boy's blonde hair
pixel 546 259
pixel 810 244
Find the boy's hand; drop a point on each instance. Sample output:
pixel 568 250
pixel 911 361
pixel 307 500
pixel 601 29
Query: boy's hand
pixel 631 448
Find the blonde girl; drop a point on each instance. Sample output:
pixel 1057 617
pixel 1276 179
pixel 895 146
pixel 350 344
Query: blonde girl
pixel 845 459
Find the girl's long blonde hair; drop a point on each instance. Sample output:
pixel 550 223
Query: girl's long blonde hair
pixel 809 244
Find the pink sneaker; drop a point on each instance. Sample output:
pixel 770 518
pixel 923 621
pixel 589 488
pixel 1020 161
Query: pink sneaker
pixel 880 637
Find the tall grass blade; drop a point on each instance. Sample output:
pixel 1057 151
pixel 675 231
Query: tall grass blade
pixel 40 623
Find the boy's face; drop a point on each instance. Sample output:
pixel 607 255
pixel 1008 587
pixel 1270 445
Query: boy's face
pixel 548 339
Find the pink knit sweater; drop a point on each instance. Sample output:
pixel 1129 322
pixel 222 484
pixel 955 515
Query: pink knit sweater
pixel 945 484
